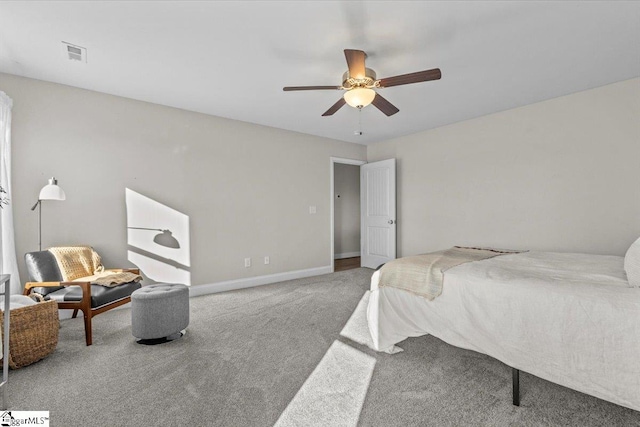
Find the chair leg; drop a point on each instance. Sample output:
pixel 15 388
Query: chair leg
pixel 87 327
pixel 75 313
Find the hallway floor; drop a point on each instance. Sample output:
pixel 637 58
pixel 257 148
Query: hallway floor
pixel 347 263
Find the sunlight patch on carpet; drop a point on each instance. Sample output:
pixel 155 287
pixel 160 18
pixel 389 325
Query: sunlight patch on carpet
pixel 334 393
pixel 356 328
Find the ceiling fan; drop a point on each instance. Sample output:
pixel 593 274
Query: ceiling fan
pixel 359 83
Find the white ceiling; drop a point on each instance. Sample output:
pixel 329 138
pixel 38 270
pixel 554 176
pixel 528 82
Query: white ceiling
pixel 231 59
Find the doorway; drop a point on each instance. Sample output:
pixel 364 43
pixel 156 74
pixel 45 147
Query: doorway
pixel 345 213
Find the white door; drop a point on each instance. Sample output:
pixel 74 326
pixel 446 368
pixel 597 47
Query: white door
pixel 378 212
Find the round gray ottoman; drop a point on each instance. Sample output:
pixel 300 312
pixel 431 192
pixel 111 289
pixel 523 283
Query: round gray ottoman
pixel 159 312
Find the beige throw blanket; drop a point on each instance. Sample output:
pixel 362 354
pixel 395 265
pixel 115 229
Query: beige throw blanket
pixel 83 264
pixel 110 278
pixel 77 261
pixel 423 274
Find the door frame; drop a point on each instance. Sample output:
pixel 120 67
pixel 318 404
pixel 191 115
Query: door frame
pixel 332 162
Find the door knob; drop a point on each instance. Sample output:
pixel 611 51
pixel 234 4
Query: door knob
pixel 390 221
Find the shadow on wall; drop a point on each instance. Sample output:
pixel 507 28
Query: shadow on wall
pixel 158 239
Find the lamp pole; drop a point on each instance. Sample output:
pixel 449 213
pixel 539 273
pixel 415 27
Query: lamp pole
pixel 39 206
pixel 50 191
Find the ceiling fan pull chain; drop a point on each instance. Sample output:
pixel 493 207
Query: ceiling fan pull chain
pixel 359 131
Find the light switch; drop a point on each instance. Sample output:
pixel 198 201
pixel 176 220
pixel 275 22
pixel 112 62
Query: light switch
pixel 312 209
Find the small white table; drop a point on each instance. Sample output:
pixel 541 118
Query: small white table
pixel 4 280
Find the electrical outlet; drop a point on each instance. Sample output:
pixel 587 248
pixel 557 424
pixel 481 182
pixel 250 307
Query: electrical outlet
pixel 247 262
pixel 266 260
pixel 312 209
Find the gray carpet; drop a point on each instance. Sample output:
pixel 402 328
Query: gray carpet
pixel 273 353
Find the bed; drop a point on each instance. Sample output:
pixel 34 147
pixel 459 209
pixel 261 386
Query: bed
pixel 572 319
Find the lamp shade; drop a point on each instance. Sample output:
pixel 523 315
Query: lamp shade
pixel 52 191
pixel 359 97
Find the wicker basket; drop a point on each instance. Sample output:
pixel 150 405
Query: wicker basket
pixel 33 333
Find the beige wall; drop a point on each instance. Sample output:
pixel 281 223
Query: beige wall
pixel 559 175
pixel 241 190
pixel 347 209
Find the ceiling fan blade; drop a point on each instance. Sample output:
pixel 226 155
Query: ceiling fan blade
pixel 290 88
pixel 383 105
pixel 335 107
pixel 405 79
pixel 355 61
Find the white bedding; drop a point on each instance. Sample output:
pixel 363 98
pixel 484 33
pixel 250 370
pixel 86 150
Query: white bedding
pixel 568 318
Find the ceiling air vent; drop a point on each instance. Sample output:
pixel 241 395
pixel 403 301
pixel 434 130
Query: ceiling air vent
pixel 75 52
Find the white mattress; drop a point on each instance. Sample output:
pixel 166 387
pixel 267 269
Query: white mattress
pixel 568 318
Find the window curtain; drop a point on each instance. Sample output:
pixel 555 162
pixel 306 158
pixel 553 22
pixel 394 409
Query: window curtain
pixel 8 261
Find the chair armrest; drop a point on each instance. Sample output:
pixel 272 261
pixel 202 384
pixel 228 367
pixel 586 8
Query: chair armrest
pixel 30 285
pixel 86 286
pixel 124 270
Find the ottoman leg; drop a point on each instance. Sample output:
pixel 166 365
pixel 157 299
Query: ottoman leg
pixel 155 341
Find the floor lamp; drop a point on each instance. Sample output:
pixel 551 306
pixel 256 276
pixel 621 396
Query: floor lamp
pixel 50 191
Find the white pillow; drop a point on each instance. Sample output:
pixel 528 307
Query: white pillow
pixel 632 264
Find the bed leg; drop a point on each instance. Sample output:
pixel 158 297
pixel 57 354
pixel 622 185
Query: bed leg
pixel 516 386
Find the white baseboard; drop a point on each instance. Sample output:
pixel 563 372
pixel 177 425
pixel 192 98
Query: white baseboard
pixel 230 285
pixel 249 282
pixel 346 255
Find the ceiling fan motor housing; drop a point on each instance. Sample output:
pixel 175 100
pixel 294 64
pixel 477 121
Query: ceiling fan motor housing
pixel 369 81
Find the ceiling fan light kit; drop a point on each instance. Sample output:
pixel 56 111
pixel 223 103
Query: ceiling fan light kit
pixel 359 83
pixel 359 97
